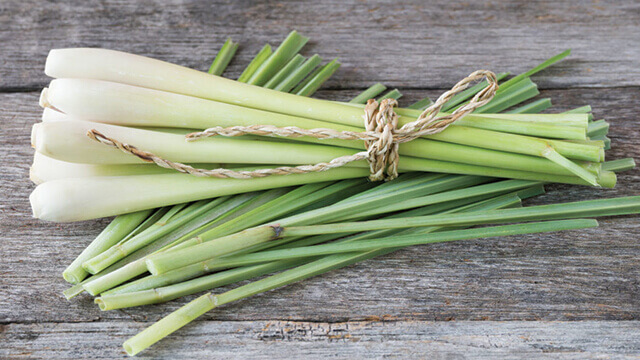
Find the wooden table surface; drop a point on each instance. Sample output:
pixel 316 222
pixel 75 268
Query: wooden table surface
pixel 573 295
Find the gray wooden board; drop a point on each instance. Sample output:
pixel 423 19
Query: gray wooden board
pixel 321 340
pixel 569 295
pixel 405 44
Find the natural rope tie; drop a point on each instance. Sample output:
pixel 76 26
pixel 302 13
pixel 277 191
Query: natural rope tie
pixel 381 138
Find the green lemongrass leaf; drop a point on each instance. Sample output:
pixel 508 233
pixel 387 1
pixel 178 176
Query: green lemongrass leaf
pixel 117 230
pixel 522 91
pixel 619 165
pixel 207 302
pixel 580 110
pixel 210 281
pixel 392 94
pixel 532 107
pixel 245 116
pixel 308 88
pixel 411 240
pixel 545 64
pixel 468 93
pixel 369 93
pixel 588 208
pixel 296 76
pixel 223 58
pixel 289 47
pixel 421 104
pixel 553 155
pixel 227 209
pixel 293 64
pixel 255 63
pixel 597 128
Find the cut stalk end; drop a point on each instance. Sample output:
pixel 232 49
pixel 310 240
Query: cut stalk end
pixel 44 101
pixel 101 304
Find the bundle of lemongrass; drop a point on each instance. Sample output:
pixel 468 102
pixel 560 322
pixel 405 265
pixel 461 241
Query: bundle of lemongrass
pixel 214 232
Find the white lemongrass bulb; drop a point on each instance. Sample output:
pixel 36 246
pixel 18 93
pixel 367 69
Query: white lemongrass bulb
pixel 121 67
pixel 67 141
pixel 78 199
pixel 46 169
pixel 121 104
pixel 50 115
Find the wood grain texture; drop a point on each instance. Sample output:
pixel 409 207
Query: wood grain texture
pixel 572 295
pixel 355 340
pixel 404 44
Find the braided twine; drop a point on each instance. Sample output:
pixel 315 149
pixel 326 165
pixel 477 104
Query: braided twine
pixel 381 138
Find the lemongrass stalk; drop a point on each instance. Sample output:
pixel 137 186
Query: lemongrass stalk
pixel 200 113
pixel 112 234
pixel 171 222
pixel 580 110
pixel 133 265
pixel 532 107
pixel 207 302
pixel 65 199
pixel 293 64
pixel 137 298
pixel 191 271
pixel 62 200
pixel 422 104
pixel 430 184
pixel 164 262
pixel 370 93
pixel 283 205
pixel 392 94
pixel 110 255
pixel 597 128
pixel 46 169
pixel 589 208
pixel 288 49
pixel 619 165
pixel 255 63
pixel 411 240
pixel 519 92
pixel 174 284
pixel 552 60
pixel 206 283
pixel 293 78
pixel 48 139
pixel 117 267
pixel 598 143
pixel 468 192
pixel 67 141
pixel 314 81
pixel 91 64
pixel 223 58
pixel 468 93
pixel 563 119
pixel 541 129
pixel 524 90
pixel 255 216
pixel 205 247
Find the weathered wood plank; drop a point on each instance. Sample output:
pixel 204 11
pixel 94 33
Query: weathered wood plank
pixel 411 44
pixel 575 275
pixel 355 340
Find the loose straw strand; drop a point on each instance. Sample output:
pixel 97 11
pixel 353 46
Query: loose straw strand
pixel 381 136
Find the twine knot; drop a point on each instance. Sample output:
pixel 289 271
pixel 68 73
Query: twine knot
pixel 381 138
